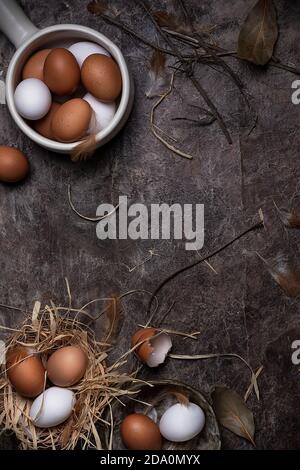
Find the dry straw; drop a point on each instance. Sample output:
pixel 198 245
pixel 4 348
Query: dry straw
pixel 46 330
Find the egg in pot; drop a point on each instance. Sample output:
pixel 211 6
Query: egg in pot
pixel 81 50
pixel 61 72
pixel 66 366
pixel 101 77
pixel 139 432
pixel 43 126
pixel 25 371
pixel 34 67
pixel 32 99
pixel 71 122
pixel 182 422
pixel 14 166
pixel 104 113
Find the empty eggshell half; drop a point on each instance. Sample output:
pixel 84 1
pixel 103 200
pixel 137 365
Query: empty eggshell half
pixel 154 346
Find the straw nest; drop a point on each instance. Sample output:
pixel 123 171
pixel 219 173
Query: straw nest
pixel 46 330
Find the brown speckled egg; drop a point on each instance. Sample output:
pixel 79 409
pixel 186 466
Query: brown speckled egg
pixel 61 72
pixel 25 371
pixel 139 432
pixel 101 76
pixel 14 166
pixel 34 67
pixel 43 126
pixel 66 366
pixel 70 123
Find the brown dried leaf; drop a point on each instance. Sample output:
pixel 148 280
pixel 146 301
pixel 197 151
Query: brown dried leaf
pixel 259 33
pixel 158 77
pixel 284 273
pixel 233 414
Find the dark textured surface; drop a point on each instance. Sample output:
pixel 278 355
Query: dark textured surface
pixel 239 309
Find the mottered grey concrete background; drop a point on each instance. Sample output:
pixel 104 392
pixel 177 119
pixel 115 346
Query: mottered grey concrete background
pixel 240 309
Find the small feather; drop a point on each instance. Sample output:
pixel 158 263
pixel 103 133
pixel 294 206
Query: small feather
pixel 172 22
pixel 285 273
pixel 289 219
pixel 96 7
pixel 158 77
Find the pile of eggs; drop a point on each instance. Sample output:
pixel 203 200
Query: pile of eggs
pixel 29 377
pixel 50 94
pixel 179 423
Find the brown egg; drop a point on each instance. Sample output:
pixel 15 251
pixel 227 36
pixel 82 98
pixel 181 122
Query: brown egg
pixel 43 126
pixel 101 76
pixel 27 376
pixel 70 123
pixel 34 67
pixel 139 432
pixel 67 366
pixel 61 72
pixel 14 165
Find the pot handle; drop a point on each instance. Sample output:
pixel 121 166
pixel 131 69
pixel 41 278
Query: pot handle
pixel 14 23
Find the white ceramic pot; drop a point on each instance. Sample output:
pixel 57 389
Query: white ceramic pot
pixel 28 39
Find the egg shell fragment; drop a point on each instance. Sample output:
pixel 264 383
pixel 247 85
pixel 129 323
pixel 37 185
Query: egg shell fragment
pixel 139 432
pixel 81 50
pixel 52 407
pixel 67 366
pixel 25 371
pixel 104 113
pixel 32 99
pixel 180 423
pixel 34 67
pixel 154 347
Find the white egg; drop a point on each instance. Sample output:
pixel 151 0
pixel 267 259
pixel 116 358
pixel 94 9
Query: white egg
pixel 180 423
pixel 32 99
pixel 81 50
pixel 103 113
pixel 52 407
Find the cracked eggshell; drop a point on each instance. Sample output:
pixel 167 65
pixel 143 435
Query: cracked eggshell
pixel 155 346
pixel 180 423
pixel 81 50
pixel 52 407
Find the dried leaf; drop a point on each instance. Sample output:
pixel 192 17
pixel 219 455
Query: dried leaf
pixel 259 33
pixel 284 273
pixel 158 77
pixel 233 414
